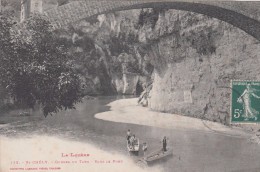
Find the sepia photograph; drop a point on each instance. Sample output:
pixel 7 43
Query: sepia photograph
pixel 129 86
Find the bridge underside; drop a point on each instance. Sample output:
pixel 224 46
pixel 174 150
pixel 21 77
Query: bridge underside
pixel 77 10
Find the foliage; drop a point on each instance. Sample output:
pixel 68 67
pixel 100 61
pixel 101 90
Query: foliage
pixel 119 44
pixel 35 66
pixel 204 43
pixel 149 17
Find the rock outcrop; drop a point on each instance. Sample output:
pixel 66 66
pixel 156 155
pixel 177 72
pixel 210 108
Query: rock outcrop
pixel 106 53
pixel 199 56
pixel 127 84
pixel 194 58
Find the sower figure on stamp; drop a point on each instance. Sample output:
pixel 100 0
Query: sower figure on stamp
pixel 245 99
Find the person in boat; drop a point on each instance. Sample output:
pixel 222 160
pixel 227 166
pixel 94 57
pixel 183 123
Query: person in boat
pixel 164 141
pixel 128 136
pixel 133 140
pixel 144 147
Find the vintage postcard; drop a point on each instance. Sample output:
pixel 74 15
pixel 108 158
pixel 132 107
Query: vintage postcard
pixel 129 85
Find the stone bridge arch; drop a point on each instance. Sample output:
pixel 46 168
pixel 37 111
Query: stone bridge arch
pixel 243 15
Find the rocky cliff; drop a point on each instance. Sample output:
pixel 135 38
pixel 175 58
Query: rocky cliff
pixel 106 53
pixel 193 59
pixel 199 56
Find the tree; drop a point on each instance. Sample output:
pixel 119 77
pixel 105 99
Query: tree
pixel 36 67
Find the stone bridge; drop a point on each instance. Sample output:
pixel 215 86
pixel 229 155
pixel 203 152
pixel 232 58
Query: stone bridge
pixel 243 15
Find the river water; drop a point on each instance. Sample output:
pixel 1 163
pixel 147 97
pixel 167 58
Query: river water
pixel 193 150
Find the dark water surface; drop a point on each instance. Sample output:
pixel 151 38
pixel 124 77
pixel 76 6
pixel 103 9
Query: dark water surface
pixel 193 150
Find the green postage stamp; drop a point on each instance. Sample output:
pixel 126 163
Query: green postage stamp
pixel 245 102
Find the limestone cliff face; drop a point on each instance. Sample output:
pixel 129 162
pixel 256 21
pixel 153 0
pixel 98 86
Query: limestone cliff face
pixel 198 56
pixel 105 48
pixel 194 58
pixel 127 84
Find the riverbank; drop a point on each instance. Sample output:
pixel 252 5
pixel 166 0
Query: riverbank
pixel 128 111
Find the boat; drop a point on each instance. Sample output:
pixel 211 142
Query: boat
pixel 154 157
pixel 134 148
pixel 158 155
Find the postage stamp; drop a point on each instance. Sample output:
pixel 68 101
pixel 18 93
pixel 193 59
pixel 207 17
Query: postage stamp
pixel 245 102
